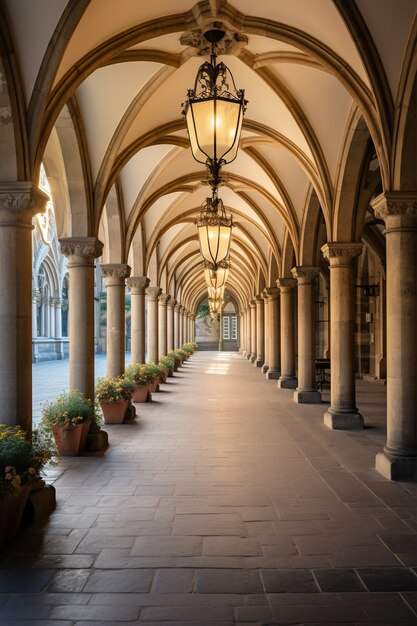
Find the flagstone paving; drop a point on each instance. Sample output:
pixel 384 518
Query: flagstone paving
pixel 223 503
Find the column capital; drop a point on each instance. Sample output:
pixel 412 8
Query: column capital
pixel 153 293
pixel 164 299
pixel 137 285
pixel 171 304
pixel 178 307
pixel 259 299
pixel 398 209
pixel 341 253
pixel 252 304
pixel 36 297
pixel 286 284
pixel 55 302
pixel 20 201
pixel 272 293
pixel 305 274
pixel 115 273
pixel 82 249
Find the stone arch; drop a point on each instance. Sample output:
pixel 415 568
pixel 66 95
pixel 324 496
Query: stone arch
pixel 289 258
pixel 309 253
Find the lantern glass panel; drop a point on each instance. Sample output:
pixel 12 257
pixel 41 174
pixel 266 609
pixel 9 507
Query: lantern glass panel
pixel 214 242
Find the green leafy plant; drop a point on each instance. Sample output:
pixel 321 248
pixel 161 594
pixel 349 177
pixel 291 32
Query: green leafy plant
pixel 22 459
pixel 190 347
pixel 67 411
pixel 167 362
pixel 111 390
pixel 173 354
pixel 139 374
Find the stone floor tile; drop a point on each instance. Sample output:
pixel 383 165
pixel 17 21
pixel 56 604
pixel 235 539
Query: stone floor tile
pixel 388 579
pixel 331 580
pixel 261 614
pixel 361 556
pixel 128 581
pixel 173 580
pixel 282 581
pixel 228 581
pixel 69 580
pixel 190 614
pixel 104 614
pixel 230 546
pixel 22 580
pixel 167 546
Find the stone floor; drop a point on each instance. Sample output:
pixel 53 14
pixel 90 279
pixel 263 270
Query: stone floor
pixel 224 503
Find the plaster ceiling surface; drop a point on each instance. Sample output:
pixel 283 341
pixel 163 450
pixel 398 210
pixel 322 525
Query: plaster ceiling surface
pixel 129 82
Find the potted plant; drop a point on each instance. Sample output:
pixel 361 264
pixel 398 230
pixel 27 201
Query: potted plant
pixel 182 354
pixel 69 417
pixel 155 373
pixel 139 374
pixel 168 363
pixel 190 347
pixel 21 462
pixel 114 394
pixel 173 354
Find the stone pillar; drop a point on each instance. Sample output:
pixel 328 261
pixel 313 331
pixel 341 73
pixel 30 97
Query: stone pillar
pixel 221 338
pixel 177 325
pixel 287 379
pixel 273 343
pixel 36 300
pixel 51 316
pixel 306 392
pixel 58 327
pixel 260 330
pixel 252 305
pixel 265 366
pixel 171 325
pixel 162 312
pixel 19 202
pixel 242 337
pixel 248 332
pixel 115 275
pixel 342 413
pixel 398 461
pixel 184 326
pixel 137 286
pixel 152 304
pixel 81 253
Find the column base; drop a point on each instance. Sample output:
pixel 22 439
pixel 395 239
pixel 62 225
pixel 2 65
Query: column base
pixel 307 397
pixel 271 375
pixel 258 363
pixel 396 467
pixel 287 383
pixel 265 368
pixel 252 359
pixel 343 421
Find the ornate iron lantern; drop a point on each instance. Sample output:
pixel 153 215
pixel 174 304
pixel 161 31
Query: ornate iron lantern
pixel 214 230
pixel 216 275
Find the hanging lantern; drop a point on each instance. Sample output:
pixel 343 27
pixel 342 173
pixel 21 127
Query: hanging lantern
pixel 214 306
pixel 214 112
pixel 214 230
pixel 216 276
pixel 215 294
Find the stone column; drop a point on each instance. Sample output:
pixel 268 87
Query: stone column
pixel 152 304
pixel 137 286
pixel 19 202
pixel 252 331
pixel 274 334
pixel 242 337
pixel 287 379
pixel 306 392
pixel 248 332
pixel 36 300
pixel 115 275
pixel 51 308
pixel 170 325
pixel 260 332
pixel 342 413
pixel 265 366
pixel 221 338
pixel 81 253
pixel 177 325
pixel 58 327
pixel 162 312
pixel 398 209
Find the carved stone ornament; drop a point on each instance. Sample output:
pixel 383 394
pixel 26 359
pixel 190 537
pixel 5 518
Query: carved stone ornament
pixel 55 302
pixel 393 203
pixel 272 293
pixel 164 298
pixel 84 247
pixel 116 271
pixel 305 274
pixel 21 200
pixel 178 307
pixel 138 284
pixel 342 252
pixel 153 293
pixel 231 43
pixel 172 304
pixel 259 299
pixel 286 284
pixel 36 297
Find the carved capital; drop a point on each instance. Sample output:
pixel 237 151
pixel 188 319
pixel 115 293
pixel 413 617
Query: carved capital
pixel 153 293
pixel 304 274
pixel 259 299
pixel 164 299
pixel 36 297
pixel 178 307
pixel 231 43
pixel 81 250
pixel 398 209
pixel 286 284
pixel 252 304
pixel 19 202
pixel 137 285
pixel 342 254
pixel 115 274
pixel 55 302
pixel 272 293
pixel 171 304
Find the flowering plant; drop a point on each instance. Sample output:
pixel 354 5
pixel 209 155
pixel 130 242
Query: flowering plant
pixel 167 362
pixel 21 459
pixel 67 411
pixel 190 347
pixel 111 390
pixel 174 355
pixel 155 370
pixel 182 354
pixel 139 374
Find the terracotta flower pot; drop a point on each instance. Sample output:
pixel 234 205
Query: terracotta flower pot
pixel 163 378
pixel 114 412
pixel 140 394
pixel 71 443
pixel 11 511
pixel 153 387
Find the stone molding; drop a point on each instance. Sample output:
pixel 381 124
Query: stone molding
pixel 36 297
pixel 153 293
pixel 342 253
pixel 171 304
pixel 398 209
pixel 86 248
pixel 232 42
pixel 259 299
pixel 20 201
pixel 286 284
pixel 304 274
pixel 115 273
pixel 252 304
pixel 178 307
pixel 164 299
pixel 55 302
pixel 137 285
pixel 272 293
